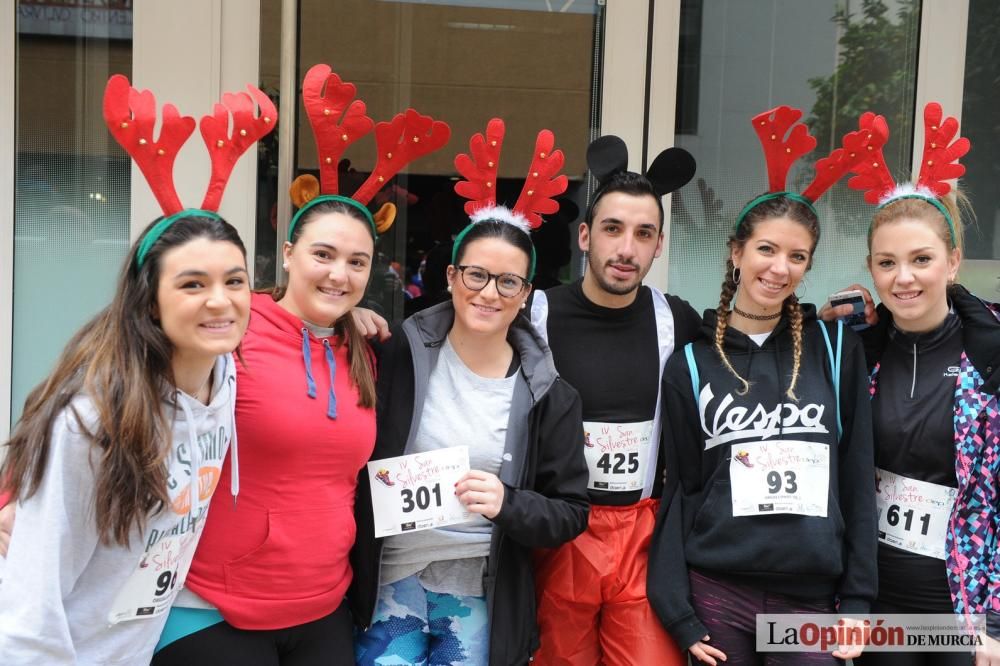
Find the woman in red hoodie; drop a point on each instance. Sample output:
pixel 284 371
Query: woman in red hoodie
pixel 268 581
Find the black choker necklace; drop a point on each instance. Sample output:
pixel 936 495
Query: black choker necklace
pixel 756 317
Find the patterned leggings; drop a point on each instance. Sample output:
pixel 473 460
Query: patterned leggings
pixel 416 626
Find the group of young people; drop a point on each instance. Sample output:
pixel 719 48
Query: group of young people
pixel 643 481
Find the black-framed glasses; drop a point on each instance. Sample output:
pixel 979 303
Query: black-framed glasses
pixel 476 278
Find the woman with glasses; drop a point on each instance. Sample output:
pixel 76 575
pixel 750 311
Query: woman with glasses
pixel 472 371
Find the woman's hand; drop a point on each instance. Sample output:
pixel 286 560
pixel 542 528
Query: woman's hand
pixel 370 323
pixel 846 652
pixel 830 313
pixel 988 654
pixel 6 527
pixel 705 653
pixel 480 492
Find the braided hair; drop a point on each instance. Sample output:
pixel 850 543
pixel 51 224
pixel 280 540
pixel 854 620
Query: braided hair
pixel 780 207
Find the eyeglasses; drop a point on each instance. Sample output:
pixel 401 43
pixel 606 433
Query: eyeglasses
pixel 476 278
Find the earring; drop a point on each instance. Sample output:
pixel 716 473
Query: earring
pixel 737 274
pixel 524 305
pixel 285 266
pixel 449 288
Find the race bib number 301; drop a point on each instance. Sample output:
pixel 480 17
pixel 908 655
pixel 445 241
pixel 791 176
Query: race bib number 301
pixel 617 454
pixel 783 476
pixel 913 515
pixel 417 492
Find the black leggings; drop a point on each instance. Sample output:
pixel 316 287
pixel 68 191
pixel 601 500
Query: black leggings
pixel 910 658
pixel 327 641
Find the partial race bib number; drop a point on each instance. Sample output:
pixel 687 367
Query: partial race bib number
pixel 784 476
pixel 154 583
pixel 913 515
pixel 617 454
pixel 417 492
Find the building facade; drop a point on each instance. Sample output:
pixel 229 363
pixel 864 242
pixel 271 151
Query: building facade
pixel 655 72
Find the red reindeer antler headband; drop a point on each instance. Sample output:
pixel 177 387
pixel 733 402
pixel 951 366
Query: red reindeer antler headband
pixel 480 173
pixel 130 116
pixel 938 164
pixel 780 153
pixel 337 121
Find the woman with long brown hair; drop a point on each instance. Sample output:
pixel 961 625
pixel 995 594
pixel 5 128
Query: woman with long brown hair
pixel 119 449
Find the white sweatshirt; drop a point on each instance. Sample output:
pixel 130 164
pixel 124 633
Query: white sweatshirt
pixel 60 583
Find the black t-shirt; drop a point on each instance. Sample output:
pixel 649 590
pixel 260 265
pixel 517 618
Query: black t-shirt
pixel 913 415
pixel 610 356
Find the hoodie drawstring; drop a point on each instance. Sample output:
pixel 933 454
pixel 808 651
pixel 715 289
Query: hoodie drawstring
pixel 234 454
pixel 307 359
pixel 331 364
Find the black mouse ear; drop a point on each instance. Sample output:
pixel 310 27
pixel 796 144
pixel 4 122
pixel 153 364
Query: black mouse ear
pixel 607 155
pixel 671 170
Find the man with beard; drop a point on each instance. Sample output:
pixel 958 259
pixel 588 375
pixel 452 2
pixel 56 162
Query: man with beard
pixel 605 330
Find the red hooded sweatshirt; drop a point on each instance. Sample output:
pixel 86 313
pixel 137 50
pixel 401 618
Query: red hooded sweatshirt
pixel 275 555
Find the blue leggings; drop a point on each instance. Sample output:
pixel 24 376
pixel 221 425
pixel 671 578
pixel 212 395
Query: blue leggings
pixel 416 626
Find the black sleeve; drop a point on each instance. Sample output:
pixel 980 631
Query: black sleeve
pixel 687 321
pixel 554 508
pixel 859 582
pixel 667 585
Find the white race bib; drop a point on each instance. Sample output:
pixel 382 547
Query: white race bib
pixel 913 515
pixel 617 454
pixel 780 476
pixel 160 574
pixel 417 492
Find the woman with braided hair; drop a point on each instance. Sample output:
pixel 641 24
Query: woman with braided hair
pixel 767 432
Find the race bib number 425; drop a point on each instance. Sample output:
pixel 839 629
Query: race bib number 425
pixel 782 476
pixel 417 492
pixel 617 454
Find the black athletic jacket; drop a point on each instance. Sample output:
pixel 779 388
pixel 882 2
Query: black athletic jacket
pixel 544 473
pixel 803 556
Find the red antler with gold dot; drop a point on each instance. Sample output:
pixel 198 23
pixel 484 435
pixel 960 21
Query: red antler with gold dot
pixel 941 155
pixel 780 153
pixel 481 169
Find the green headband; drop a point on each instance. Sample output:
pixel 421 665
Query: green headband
pixel 932 201
pixel 466 230
pixel 332 197
pixel 768 197
pixel 153 235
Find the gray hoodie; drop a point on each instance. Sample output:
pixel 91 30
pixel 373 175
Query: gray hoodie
pixel 62 599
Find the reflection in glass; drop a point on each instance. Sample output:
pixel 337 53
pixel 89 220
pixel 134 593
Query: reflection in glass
pixel 71 216
pixel 831 62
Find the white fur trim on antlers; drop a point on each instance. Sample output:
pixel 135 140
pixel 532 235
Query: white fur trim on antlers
pixel 502 214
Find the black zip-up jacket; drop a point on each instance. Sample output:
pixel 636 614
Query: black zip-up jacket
pixel 544 473
pixel 797 555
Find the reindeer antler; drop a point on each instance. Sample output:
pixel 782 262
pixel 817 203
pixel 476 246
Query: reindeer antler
pixel 130 116
pixel 771 127
pixel 835 166
pixel 480 170
pixel 405 138
pixel 542 183
pixel 336 120
pixel 873 176
pixel 225 149
pixel 940 158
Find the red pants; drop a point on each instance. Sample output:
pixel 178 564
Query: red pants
pixel 592 606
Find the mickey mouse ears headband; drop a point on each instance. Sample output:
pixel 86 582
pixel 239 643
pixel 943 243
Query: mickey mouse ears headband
pixel 784 140
pixel 938 164
pixel 337 121
pixel 672 169
pixel 130 116
pixel 480 170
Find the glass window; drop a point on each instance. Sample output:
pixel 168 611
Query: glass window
pixel 71 214
pixel 831 59
pixel 981 123
pixel 464 63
